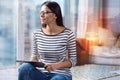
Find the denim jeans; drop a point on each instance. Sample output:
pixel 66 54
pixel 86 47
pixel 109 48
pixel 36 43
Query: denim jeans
pixel 28 72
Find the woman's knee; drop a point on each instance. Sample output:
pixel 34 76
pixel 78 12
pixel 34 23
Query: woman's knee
pixel 25 66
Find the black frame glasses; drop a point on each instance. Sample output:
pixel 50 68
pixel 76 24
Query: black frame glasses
pixel 45 12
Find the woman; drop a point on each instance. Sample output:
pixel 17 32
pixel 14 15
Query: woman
pixel 50 45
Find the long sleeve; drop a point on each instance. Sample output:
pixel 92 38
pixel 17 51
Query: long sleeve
pixel 71 46
pixel 34 51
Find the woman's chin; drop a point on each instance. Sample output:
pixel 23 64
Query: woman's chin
pixel 44 25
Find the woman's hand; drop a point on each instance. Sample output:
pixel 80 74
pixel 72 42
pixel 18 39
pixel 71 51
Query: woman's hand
pixel 51 67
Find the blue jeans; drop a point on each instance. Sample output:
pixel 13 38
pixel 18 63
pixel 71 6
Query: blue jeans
pixel 28 72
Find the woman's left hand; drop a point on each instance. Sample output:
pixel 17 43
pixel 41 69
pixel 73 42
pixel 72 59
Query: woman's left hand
pixel 51 67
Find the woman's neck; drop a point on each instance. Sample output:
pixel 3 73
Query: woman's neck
pixel 52 29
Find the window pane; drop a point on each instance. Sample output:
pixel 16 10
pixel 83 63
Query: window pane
pixel 7 33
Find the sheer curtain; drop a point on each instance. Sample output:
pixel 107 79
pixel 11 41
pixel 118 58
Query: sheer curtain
pixel 82 18
pixel 89 15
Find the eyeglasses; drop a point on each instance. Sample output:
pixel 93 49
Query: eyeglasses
pixel 45 12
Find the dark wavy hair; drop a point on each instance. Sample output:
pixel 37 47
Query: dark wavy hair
pixel 55 8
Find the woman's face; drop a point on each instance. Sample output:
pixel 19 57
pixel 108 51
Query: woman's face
pixel 47 16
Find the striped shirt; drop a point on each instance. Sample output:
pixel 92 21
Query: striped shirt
pixel 52 48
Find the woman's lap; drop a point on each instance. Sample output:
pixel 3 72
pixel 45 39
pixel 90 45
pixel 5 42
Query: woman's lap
pixel 28 72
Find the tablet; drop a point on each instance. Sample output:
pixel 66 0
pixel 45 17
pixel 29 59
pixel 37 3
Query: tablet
pixel 34 63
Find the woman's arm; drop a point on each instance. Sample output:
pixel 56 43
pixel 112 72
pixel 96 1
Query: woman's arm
pixel 57 65
pixel 33 48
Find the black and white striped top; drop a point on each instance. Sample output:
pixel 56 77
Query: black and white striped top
pixel 52 48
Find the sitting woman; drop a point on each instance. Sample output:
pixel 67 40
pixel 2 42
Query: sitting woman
pixel 50 44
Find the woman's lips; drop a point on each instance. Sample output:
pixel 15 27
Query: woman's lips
pixel 42 20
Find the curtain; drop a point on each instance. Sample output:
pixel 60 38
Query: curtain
pixel 82 18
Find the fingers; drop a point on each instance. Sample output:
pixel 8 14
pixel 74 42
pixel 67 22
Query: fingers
pixel 49 68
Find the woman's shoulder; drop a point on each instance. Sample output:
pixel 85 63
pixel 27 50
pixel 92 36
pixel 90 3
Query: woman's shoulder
pixel 37 31
pixel 68 30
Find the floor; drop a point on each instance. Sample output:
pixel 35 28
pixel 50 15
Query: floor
pixel 8 74
pixel 96 72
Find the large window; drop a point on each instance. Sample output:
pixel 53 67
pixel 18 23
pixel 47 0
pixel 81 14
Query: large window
pixel 8 25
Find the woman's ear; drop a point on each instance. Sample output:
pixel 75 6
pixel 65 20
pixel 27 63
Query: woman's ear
pixel 55 16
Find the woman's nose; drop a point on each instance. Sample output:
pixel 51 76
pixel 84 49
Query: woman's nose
pixel 41 15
